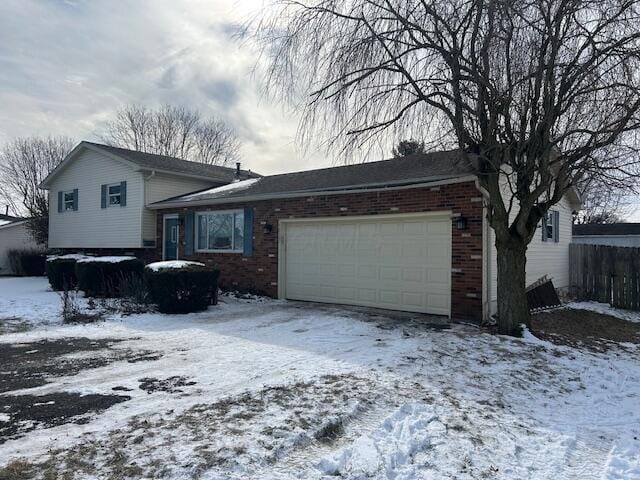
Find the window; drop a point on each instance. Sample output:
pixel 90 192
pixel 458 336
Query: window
pixel 221 231
pixel 114 196
pixel 68 199
pixel 550 226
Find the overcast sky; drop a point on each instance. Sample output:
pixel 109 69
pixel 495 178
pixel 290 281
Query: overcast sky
pixel 67 66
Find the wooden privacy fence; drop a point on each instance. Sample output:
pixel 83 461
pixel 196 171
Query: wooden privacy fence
pixel 606 274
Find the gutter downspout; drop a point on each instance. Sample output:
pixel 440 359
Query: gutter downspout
pixel 486 256
pixel 145 179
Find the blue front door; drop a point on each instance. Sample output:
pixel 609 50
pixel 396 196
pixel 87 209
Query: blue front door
pixel 171 234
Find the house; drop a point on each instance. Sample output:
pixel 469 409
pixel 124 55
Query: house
pixel 618 234
pixel 99 196
pixel 14 235
pixel 407 234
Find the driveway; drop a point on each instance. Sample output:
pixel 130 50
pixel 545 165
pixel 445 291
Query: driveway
pixel 257 388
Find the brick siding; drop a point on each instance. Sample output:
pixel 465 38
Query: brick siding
pixel 259 272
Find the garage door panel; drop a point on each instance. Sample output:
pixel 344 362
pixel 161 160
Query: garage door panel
pixel 401 263
pixel 367 272
pixel 413 299
pixel 413 275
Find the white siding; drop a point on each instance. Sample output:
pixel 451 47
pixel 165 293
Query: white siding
pixel 92 226
pixel 13 237
pixel 160 187
pixel 543 258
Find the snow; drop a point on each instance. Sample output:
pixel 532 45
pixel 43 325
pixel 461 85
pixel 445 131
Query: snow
pixel 106 259
pixel 68 256
pixel 271 376
pixel 241 185
pixel 388 451
pixel 170 264
pixel 606 309
pixel 4 222
pixel 28 300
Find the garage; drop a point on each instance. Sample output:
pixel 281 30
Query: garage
pixel 397 262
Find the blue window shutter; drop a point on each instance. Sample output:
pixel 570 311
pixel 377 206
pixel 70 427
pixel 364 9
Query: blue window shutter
pixel 123 194
pixel 75 199
pixel 59 202
pixel 103 197
pixel 556 226
pixel 544 228
pixel 248 232
pixel 188 233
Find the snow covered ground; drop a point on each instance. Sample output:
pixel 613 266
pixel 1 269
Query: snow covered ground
pixel 267 389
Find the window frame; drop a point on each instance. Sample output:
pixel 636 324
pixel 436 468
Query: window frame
pixel 119 195
pixel 550 226
pixel 64 201
pixel 233 213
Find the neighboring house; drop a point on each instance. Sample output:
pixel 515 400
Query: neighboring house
pixel 408 234
pixel 14 235
pixel 99 196
pixel 618 234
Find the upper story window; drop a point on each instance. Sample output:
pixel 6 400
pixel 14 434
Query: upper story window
pixel 114 195
pixel 220 231
pixel 69 200
pixel 550 226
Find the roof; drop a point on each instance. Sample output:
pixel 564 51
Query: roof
pixel 9 221
pixel 607 229
pixel 161 163
pixel 398 171
pixel 9 218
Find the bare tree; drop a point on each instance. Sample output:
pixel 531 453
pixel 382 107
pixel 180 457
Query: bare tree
pixel 175 132
pixel 602 203
pixel 24 163
pixel 408 147
pixel 536 94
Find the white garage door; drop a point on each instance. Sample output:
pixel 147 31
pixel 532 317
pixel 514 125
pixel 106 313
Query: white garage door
pixel 393 262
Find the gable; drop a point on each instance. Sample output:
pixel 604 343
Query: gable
pixel 78 153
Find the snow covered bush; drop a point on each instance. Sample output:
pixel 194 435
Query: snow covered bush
pixel 61 271
pixel 27 262
pixel 181 287
pixel 102 276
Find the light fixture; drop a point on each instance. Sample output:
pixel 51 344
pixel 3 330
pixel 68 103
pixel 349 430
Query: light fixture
pixel 461 223
pixel 268 228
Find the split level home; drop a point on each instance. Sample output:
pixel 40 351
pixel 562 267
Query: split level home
pixel 407 234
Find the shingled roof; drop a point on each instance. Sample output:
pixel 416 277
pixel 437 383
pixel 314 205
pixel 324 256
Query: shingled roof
pixel 152 161
pixel 393 172
pixel 607 229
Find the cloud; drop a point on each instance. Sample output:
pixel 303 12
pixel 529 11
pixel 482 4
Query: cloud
pixel 67 67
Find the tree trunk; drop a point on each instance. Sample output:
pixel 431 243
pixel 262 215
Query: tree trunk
pixel 513 309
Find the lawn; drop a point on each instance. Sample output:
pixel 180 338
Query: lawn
pixel 265 389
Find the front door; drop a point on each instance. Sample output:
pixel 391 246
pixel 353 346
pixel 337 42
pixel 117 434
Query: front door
pixel 171 234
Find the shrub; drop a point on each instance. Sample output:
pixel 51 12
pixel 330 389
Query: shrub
pixel 61 271
pixel 27 263
pixel 189 288
pixel 101 276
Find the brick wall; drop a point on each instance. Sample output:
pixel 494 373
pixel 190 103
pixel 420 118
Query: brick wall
pixel 259 272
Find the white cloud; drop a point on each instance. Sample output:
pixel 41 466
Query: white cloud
pixel 67 67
